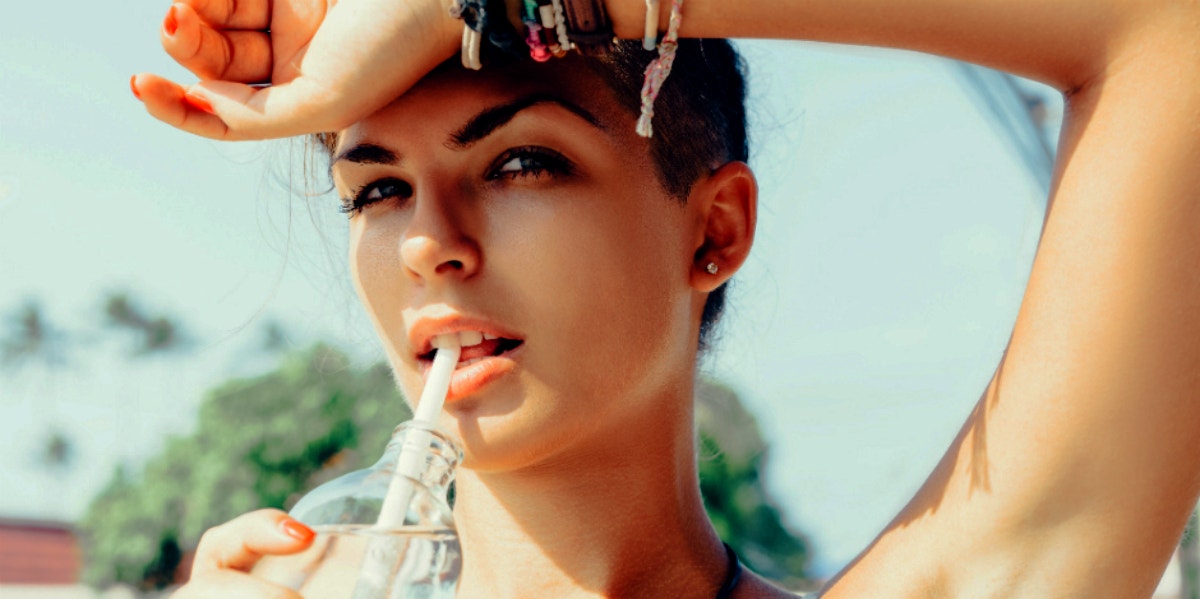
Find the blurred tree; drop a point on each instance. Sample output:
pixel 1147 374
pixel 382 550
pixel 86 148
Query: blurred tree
pixel 274 337
pixel 259 442
pixel 155 334
pixel 732 457
pixel 58 451
pixel 31 337
pixel 30 340
pixel 1189 560
pixel 262 442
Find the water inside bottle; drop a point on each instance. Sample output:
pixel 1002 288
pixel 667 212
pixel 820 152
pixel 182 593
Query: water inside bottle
pixel 364 562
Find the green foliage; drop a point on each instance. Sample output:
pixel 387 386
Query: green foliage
pixel 732 453
pixel 258 443
pixel 124 533
pixel 261 442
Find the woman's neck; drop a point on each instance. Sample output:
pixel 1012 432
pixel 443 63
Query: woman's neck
pixel 619 520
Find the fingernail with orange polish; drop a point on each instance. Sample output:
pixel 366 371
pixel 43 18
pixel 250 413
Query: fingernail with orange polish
pixel 296 530
pixel 170 24
pixel 198 103
pixel 133 86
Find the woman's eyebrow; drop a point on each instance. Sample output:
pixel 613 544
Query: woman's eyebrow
pixel 366 153
pixel 490 119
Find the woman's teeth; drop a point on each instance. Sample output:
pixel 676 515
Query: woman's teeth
pixel 463 339
pixel 473 345
pixel 469 338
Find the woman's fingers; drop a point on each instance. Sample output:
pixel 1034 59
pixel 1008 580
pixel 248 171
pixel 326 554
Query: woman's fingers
pixel 168 102
pixel 241 542
pixel 232 14
pixel 233 111
pixel 228 55
pixel 227 552
pixel 326 69
pixel 232 585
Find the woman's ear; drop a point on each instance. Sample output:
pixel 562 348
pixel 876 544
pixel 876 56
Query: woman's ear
pixel 727 203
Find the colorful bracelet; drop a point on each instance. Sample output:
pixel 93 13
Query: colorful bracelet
pixel 554 27
pixel 485 20
pixel 531 17
pixel 560 25
pixel 550 27
pixel 545 13
pixel 658 70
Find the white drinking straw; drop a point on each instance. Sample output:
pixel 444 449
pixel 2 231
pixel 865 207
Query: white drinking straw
pixel 378 562
pixel 410 464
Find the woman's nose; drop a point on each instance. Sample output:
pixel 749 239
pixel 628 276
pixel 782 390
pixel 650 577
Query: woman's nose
pixel 435 244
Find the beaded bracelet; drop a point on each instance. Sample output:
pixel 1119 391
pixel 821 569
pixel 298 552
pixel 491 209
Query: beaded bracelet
pixel 485 19
pixel 554 27
pixel 560 26
pixel 531 17
pixel 550 27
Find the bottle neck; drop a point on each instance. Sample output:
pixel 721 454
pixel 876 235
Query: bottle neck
pixel 439 453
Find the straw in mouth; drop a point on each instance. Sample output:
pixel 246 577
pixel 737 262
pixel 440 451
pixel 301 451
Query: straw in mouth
pixel 483 349
pixel 433 396
pixel 380 557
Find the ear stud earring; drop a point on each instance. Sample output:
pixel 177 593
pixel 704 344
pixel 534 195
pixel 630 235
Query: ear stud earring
pixel 712 268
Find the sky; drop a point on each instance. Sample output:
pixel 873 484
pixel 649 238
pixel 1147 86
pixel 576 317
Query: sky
pixel 896 232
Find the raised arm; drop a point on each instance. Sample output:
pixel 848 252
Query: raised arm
pixel 332 62
pixel 1076 472
pixel 1063 43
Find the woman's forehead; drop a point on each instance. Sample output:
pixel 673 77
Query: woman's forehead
pixel 448 96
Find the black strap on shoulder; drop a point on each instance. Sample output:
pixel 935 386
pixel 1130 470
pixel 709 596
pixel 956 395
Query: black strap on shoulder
pixel 733 573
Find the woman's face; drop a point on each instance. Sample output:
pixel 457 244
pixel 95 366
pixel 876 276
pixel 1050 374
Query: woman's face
pixel 520 204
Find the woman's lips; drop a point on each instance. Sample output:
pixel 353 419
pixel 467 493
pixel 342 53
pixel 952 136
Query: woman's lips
pixel 478 367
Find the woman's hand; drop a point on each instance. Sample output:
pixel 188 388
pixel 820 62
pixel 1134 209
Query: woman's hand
pixel 227 553
pixel 328 63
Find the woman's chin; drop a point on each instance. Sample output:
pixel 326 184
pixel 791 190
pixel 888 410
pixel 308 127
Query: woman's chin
pixel 505 442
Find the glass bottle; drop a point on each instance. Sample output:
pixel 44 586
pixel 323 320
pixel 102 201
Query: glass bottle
pixel 352 556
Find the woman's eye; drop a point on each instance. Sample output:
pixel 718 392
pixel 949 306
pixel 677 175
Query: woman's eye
pixel 381 190
pixel 530 162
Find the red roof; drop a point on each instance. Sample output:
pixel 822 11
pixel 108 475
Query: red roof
pixel 38 553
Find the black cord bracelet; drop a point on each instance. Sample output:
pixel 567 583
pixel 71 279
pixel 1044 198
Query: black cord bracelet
pixel 490 19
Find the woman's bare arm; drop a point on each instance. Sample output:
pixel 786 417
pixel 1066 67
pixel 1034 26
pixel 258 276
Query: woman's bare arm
pixel 1063 43
pixel 1076 472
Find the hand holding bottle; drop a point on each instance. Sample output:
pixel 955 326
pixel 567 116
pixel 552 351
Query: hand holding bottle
pixel 227 553
pixel 328 63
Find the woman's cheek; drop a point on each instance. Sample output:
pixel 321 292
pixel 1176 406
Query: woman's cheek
pixel 376 272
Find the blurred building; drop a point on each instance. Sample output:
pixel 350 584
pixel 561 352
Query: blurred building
pixel 41 560
pixel 36 552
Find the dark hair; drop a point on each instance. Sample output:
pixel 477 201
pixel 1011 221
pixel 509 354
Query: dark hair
pixel 699 120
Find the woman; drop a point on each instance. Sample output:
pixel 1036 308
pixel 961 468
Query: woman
pixel 518 202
